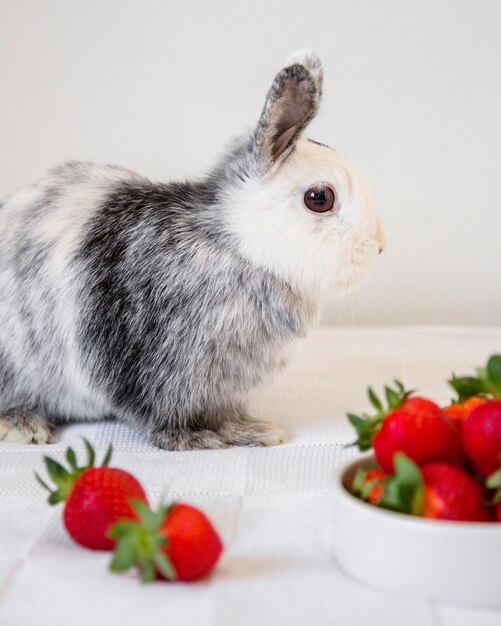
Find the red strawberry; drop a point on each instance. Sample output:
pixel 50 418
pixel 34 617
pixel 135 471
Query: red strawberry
pixel 368 484
pixel 481 437
pixel 451 494
pixel 95 497
pixel 434 491
pixel 459 411
pixel 177 542
pixel 413 425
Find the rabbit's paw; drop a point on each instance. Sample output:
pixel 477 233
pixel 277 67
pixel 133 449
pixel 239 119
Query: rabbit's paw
pixel 22 427
pixel 188 439
pixel 248 431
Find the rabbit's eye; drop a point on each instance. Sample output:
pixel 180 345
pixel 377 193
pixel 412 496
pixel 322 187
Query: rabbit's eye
pixel 319 199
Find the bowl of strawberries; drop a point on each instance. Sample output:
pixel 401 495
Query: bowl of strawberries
pixel 418 514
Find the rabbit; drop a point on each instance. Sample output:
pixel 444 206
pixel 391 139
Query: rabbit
pixel 162 305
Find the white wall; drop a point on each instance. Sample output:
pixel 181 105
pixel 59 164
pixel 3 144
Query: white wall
pixel 413 97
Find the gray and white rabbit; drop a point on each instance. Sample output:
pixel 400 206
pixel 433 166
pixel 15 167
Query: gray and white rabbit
pixel 162 305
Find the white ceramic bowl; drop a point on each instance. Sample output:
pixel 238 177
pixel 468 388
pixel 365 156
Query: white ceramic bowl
pixel 450 562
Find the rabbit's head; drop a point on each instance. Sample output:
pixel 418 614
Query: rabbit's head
pixel 297 207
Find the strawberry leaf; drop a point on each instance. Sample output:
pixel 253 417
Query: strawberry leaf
pixel 494 480
pixel 401 389
pixel 149 519
pixel 55 498
pixel 107 456
pixel 374 400
pixel 362 487
pixel 494 371
pixel 120 529
pixel 358 481
pixel 147 570
pixel 165 566
pixel 487 381
pixel 63 478
pixel 403 491
pixel 56 471
pixel 90 452
pixel 125 555
pixel 466 387
pixel 368 425
pixel 393 398
pixel 356 420
pixel 366 428
pixel 145 545
pixel 158 517
pixel 368 487
pixel 71 458
pixel 43 483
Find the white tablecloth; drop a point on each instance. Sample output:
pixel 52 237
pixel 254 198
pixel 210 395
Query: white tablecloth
pixel 271 506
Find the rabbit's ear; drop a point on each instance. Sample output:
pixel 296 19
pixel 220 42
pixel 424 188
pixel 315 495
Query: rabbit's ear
pixel 291 104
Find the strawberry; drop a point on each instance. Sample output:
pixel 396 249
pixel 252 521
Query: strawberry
pixel 481 437
pixel 414 425
pixel 177 542
pixel 95 497
pixel 451 494
pixel 434 491
pixel 368 484
pixel 459 411
pixel 494 482
pixel 487 382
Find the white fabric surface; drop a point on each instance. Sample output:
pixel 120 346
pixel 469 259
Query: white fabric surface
pixel 271 506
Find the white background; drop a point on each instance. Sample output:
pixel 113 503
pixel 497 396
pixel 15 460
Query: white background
pixel 412 97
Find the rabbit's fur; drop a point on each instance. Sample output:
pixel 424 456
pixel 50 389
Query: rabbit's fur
pixel 162 305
